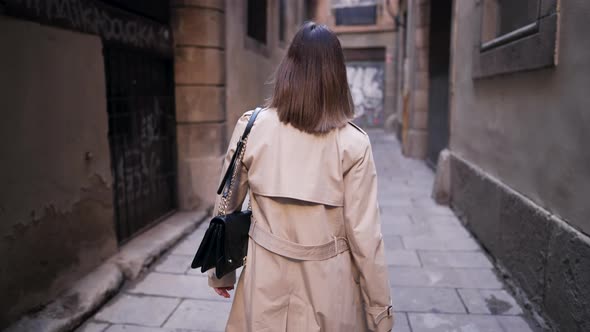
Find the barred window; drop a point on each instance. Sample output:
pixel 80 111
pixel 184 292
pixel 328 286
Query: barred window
pixel 355 12
pixel 257 15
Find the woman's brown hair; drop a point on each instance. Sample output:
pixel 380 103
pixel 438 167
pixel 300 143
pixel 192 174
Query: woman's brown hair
pixel 311 89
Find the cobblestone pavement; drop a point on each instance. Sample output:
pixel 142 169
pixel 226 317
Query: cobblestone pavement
pixel 440 278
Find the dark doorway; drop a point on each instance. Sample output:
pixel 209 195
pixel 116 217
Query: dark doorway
pixel 439 59
pixel 142 136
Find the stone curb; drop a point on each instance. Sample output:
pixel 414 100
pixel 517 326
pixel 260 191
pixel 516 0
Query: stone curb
pixel 89 293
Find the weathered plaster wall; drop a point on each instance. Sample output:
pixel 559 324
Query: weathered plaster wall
pixel 249 69
pixel 56 208
pixel 521 168
pixel 529 129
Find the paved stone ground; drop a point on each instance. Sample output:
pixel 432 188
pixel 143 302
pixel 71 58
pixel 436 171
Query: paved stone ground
pixel 441 280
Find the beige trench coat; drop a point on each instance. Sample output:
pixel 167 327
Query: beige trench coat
pixel 309 190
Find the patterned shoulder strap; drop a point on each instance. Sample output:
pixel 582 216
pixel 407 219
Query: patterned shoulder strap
pixel 238 153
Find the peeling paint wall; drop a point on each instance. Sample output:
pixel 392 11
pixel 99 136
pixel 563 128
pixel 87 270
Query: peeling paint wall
pixel 56 213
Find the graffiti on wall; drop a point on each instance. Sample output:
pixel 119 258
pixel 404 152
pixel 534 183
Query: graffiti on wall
pixel 366 82
pixel 91 16
pixel 141 136
pixel 140 162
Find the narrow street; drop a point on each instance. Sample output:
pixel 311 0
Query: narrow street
pixel 441 279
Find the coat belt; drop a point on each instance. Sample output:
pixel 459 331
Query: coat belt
pixel 294 250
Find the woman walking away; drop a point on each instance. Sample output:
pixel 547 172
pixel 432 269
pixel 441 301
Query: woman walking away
pixel 315 258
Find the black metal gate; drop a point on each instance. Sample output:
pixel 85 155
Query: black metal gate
pixel 138 56
pixel 142 135
pixel 438 64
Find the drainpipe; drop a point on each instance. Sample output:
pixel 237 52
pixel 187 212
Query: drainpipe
pixel 411 44
pixel 392 118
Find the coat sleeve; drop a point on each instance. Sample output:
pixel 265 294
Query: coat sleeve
pixel 239 191
pixel 363 228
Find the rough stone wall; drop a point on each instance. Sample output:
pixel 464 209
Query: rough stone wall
pixel 527 131
pixel 542 254
pixel 56 202
pixel 415 142
pixel 200 77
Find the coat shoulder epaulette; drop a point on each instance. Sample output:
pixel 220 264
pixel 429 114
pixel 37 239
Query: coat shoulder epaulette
pixel 357 127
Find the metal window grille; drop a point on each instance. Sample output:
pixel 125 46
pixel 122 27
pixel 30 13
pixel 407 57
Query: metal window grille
pixel 142 135
pixel 361 15
pixel 256 20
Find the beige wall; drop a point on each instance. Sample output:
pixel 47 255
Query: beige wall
pixel 56 213
pixel 412 96
pixel 250 69
pixel 199 63
pixel 219 74
pixel 380 35
pixel 528 129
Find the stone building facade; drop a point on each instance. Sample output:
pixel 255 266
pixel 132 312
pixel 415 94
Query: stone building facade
pixel 502 85
pixel 116 115
pixel 366 30
pixel 422 71
pixel 520 168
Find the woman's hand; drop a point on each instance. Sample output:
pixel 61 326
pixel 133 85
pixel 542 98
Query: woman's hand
pixel 223 291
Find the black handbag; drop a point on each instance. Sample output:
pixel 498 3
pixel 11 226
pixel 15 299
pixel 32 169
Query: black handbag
pixel 225 243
